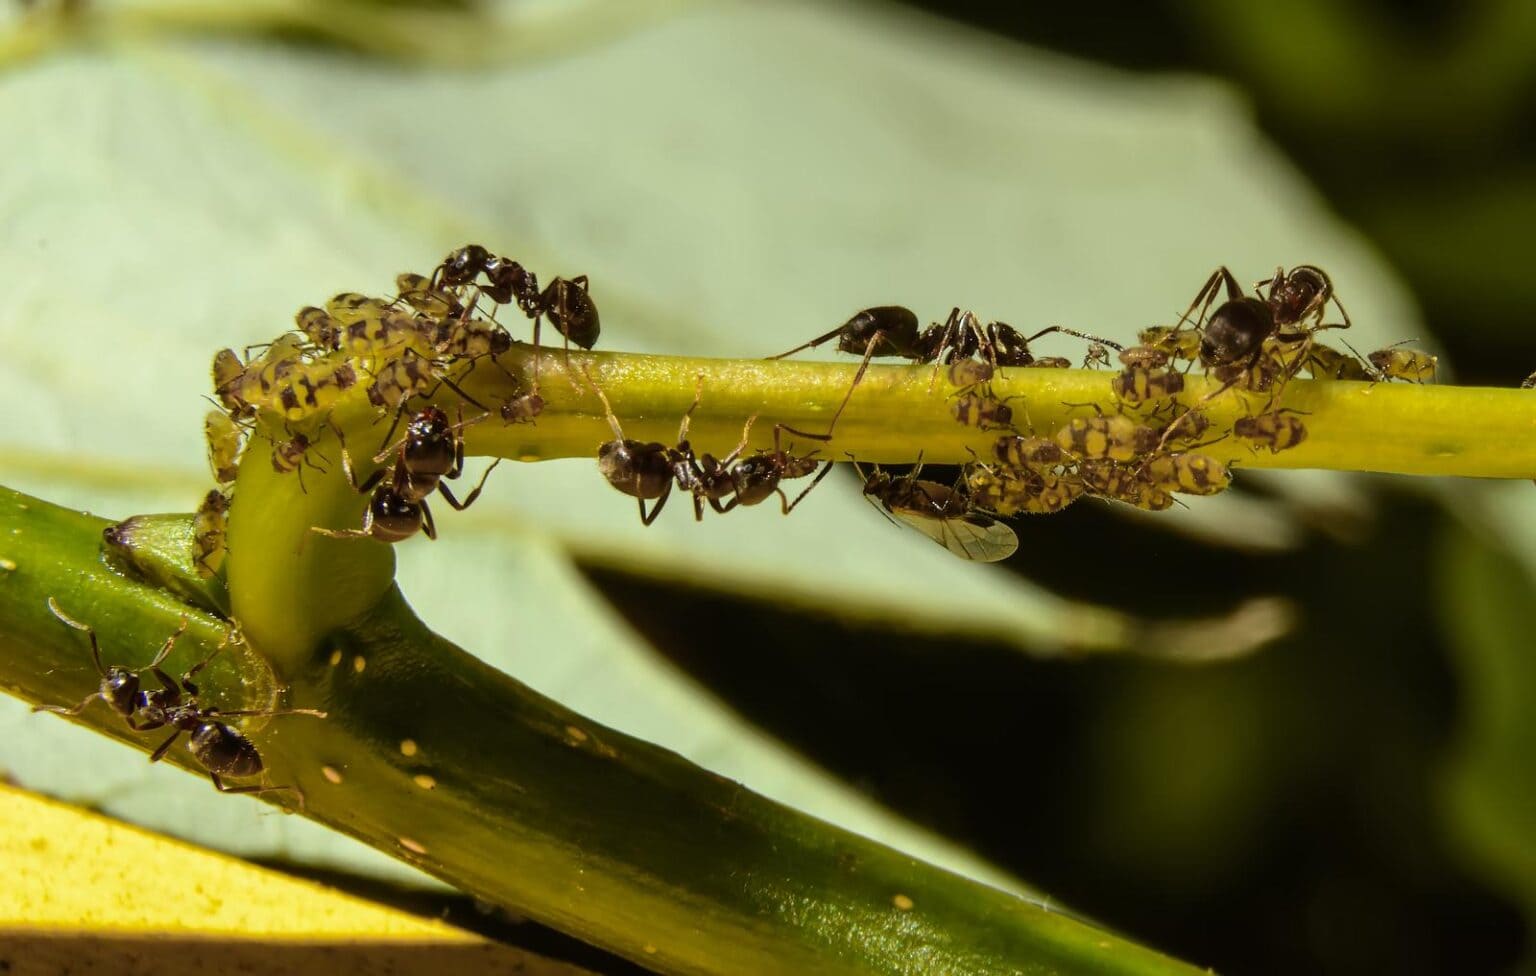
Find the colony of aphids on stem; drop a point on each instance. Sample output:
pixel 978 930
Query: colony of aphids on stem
pixel 1140 445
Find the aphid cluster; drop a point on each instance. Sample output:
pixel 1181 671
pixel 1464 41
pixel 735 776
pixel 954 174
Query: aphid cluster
pixel 392 351
pixel 218 747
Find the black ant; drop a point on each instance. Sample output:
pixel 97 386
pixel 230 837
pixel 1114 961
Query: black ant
pixel 749 480
pixel 1236 330
pixel 431 450
pixel 219 748
pixel 891 330
pixel 647 471
pixel 567 302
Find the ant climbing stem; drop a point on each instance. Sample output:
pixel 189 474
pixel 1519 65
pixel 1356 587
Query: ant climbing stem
pixel 218 747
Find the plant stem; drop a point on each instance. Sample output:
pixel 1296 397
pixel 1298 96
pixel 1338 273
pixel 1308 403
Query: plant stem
pixel 440 759
pixel 893 415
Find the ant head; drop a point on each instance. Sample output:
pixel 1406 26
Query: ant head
pixel 120 689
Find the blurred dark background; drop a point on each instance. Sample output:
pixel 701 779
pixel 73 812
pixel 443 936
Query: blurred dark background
pixel 1281 814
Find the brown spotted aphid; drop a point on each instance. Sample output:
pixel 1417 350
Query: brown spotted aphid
pixel 208 527
pixel 1397 363
pixel 1114 437
pixel 1277 430
pixel 1187 473
pixel 1005 490
pixel 225 439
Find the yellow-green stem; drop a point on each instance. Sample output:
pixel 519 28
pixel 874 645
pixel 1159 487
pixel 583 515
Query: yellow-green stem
pixel 899 412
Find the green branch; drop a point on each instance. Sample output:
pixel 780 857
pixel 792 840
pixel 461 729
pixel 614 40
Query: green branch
pixel 439 759
pixel 1397 428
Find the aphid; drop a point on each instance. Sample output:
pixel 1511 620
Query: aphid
pixel 208 527
pixel 947 515
pixel 1096 356
pixel 1009 491
pixel 308 388
pixel 1123 483
pixel 289 455
pixel 420 293
pixel 1137 384
pixel 521 409
pixel 1277 430
pixel 229 382
pixel 981 410
pixel 261 377
pixel 1035 453
pixel 431 451
pixel 1186 427
pixel 225 439
pixel 323 332
pixel 1413 365
pixel 351 308
pixel 1529 382
pixel 398 379
pixel 1115 437
pixel 1188 473
pixel 390 333
pixel 1327 363
pixel 462 337
pixel 1174 342
pixel 1056 362
pixel 967 373
pixel 219 748
pixel 1143 357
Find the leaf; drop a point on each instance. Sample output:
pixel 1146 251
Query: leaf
pixel 734 178
pixel 1489 588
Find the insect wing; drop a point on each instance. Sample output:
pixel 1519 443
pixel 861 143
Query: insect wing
pixel 977 537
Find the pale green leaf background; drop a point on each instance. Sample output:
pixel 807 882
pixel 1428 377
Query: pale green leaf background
pixel 733 177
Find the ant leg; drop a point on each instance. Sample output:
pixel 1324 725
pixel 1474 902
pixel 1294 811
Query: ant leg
pixel 170 642
pixel 698 395
pixel 266 712
pixel 366 532
pixel 372 480
pixel 445 381
pixel 165 747
pixel 746 434
pixel 813 343
pixel 218 784
pixel 656 509
pixel 74 709
pixel 825 468
pixel 470 498
pixel 1208 293
pixel 427 525
pixel 68 621
pixel 613 422
pixel 869 352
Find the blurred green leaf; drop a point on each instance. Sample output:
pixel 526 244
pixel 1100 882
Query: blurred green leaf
pixel 1489 591
pixel 734 178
